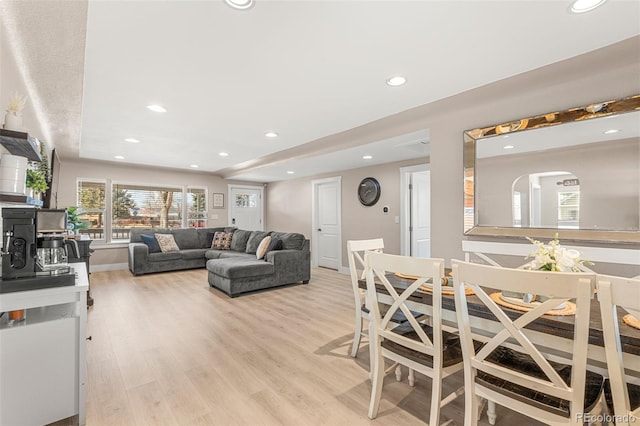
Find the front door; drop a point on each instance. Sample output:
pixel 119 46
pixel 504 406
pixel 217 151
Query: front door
pixel 327 224
pixel 245 207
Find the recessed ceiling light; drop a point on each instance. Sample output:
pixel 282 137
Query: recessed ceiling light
pixel 367 157
pixel 290 172
pixel 240 4
pixel 610 131
pixel 397 80
pixel 132 140
pixel 157 108
pixel 580 6
pixel 118 157
pixel 508 147
pixel 271 134
pixel 194 166
pixel 223 154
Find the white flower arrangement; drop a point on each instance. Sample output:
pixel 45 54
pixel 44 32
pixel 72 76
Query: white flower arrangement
pixel 554 257
pixel 16 104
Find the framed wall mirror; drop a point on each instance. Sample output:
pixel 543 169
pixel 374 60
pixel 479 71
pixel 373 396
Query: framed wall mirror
pixel 574 172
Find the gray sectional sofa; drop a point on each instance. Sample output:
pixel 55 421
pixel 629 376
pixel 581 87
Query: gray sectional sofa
pixel 235 270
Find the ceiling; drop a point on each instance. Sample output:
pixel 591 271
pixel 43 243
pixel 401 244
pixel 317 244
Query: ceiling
pixel 305 69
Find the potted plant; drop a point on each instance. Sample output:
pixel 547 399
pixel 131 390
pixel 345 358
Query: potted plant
pixel 36 182
pixel 73 219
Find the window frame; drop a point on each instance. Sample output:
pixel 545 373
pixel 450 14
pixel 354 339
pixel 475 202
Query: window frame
pixel 109 208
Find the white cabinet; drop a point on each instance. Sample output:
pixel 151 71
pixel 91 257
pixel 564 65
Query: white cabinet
pixel 42 359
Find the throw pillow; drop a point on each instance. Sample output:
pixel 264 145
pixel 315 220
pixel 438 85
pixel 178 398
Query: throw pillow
pixel 167 243
pixel 209 242
pixel 222 240
pixel 151 242
pixel 262 247
pixel 254 241
pixel 275 244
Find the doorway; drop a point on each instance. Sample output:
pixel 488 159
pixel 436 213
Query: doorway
pixel 327 223
pixel 415 211
pixel 246 208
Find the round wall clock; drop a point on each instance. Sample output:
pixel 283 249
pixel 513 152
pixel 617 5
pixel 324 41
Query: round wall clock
pixel 369 191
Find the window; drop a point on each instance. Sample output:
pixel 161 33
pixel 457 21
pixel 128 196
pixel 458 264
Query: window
pixel 139 206
pixel 196 207
pixel 568 209
pixel 91 204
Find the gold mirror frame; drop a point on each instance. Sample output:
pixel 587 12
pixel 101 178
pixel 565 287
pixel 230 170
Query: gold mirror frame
pixel 591 111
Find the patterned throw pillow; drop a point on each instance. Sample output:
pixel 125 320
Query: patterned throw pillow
pixel 222 240
pixel 167 243
pixel 263 247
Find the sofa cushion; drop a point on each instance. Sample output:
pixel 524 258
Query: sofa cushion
pixel 239 240
pixel 151 242
pixel 186 238
pixel 290 240
pixel 162 257
pixel 254 241
pixel 263 247
pixel 193 253
pixel 222 240
pixel 229 254
pixel 167 243
pixel 239 268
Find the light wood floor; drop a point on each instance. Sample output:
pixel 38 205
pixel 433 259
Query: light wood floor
pixel 167 349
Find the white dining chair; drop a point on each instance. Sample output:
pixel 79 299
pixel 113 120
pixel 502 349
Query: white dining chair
pixel 513 370
pixel 425 348
pixel 623 398
pixel 355 255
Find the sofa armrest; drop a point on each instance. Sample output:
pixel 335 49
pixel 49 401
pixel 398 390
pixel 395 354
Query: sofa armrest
pixel 138 256
pixel 291 264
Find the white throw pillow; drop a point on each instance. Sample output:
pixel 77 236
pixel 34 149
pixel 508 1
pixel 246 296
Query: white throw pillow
pixel 262 248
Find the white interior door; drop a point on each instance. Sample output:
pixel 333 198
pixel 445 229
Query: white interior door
pixel 245 207
pixel 327 223
pixel 420 228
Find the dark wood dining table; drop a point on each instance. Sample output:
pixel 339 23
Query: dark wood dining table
pixel 555 332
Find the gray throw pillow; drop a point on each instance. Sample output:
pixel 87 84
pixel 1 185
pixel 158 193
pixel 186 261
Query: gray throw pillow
pixel 290 240
pixel 239 240
pixel 254 241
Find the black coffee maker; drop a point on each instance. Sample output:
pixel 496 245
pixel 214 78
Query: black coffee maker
pixel 19 242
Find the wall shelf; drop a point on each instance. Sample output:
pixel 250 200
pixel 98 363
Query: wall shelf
pixel 20 199
pixel 19 143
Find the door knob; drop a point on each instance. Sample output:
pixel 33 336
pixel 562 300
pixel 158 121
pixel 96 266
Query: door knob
pixel 319 229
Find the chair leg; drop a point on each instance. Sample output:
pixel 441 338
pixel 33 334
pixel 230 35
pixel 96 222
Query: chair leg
pixel 436 396
pixel 376 384
pixel 398 373
pixel 471 405
pixel 491 412
pixel 357 335
pixel 412 377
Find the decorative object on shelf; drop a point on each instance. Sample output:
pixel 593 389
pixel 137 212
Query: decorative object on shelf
pixel 369 191
pixel 13 117
pixel 13 169
pixel 73 220
pixel 36 182
pixel 553 257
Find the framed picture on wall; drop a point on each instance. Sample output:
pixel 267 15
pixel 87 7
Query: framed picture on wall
pixel 218 200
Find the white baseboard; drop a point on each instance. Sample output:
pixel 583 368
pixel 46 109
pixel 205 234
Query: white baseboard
pixel 109 267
